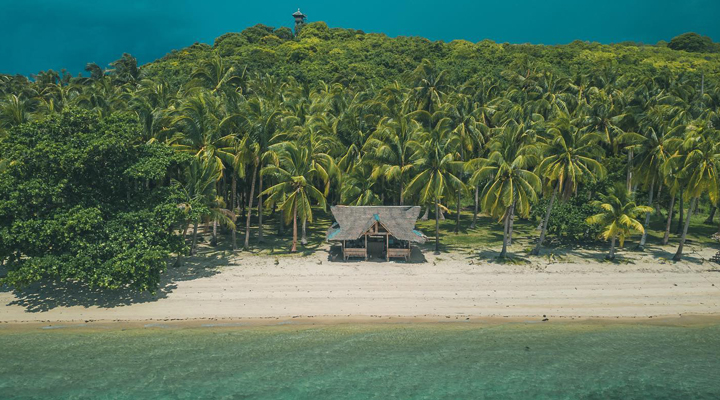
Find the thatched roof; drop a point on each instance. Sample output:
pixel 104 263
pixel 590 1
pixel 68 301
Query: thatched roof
pixel 354 221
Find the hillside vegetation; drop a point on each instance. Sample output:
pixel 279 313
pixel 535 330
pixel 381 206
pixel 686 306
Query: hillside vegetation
pixel 105 177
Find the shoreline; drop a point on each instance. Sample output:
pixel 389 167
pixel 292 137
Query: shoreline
pixel 305 322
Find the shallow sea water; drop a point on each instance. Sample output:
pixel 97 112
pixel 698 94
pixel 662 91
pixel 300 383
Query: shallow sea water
pixel 448 361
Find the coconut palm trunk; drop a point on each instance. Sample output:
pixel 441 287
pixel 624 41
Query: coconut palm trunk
pixel 232 207
pixel 611 255
pixel 510 224
pixel 214 240
pixel 427 214
pixel 249 209
pixel 294 242
pixel 184 237
pixel 646 225
pixel 475 210
pixel 437 227
pixel 303 239
pixel 457 217
pixel 260 212
pixel 506 226
pixel 194 239
pixel 681 210
pixel 629 170
pixel 711 217
pixel 678 254
pixel 184 234
pixel 543 228
pixel 671 208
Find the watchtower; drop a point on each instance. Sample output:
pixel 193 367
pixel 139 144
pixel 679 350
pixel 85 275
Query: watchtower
pixel 299 20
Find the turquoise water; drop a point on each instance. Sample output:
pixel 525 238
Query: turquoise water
pixel 451 361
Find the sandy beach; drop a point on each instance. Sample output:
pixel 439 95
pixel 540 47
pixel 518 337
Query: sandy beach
pixel 452 285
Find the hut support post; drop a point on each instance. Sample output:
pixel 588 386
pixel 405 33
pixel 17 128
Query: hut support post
pixel 387 247
pixel 366 250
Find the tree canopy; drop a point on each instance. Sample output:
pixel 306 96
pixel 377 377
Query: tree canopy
pixel 74 204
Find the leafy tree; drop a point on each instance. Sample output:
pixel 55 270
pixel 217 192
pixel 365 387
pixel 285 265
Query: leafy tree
pixel 568 218
pixel 694 43
pixel 73 206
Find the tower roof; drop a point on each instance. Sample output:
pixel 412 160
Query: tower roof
pixel 298 13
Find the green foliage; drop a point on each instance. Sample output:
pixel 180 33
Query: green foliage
pixel 618 213
pixel 125 70
pixel 337 115
pixel 568 219
pixel 347 55
pixel 694 43
pixel 80 203
pixel 318 30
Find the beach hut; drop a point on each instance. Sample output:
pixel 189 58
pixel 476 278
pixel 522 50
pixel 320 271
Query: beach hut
pixel 389 230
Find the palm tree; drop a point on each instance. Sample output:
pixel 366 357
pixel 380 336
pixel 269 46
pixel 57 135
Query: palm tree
pixel 570 159
pixel 245 154
pixel 428 86
pixel 218 77
pixel 604 116
pixel 618 216
pixel 654 152
pixel 199 128
pixel 511 186
pixel 15 110
pixel 388 148
pixel 294 170
pixel 201 198
pixel 104 97
pixel 670 174
pixel 358 187
pixel 699 170
pixel 437 167
pixel 464 115
pixel 264 119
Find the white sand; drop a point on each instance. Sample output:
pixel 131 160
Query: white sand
pixel 451 285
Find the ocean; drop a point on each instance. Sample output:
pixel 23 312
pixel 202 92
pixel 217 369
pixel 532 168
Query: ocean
pixel 421 361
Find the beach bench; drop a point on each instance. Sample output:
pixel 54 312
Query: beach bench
pixel 350 252
pixel 398 253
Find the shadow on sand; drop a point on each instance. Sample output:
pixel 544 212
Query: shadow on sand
pixel 492 256
pixel 44 296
